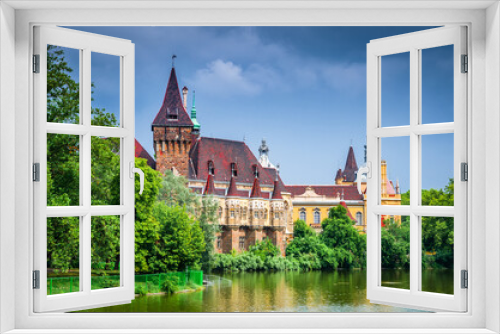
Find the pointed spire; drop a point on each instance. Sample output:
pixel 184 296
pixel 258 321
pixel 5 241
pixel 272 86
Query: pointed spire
pixel 172 110
pixel 338 177
pixel 277 186
pixel 256 192
pixel 232 190
pixel 210 187
pixel 196 125
pixel 351 167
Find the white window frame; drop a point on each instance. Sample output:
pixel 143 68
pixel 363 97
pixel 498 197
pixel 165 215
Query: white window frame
pixel 483 20
pixel 85 43
pixel 414 43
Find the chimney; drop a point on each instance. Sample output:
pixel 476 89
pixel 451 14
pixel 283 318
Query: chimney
pixel 383 176
pixel 185 97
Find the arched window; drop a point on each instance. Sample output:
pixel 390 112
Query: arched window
pixel 317 216
pixel 256 214
pixel 234 169
pixel 302 214
pixel 211 168
pixel 359 218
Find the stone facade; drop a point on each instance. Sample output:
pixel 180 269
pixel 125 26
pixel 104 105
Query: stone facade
pixel 172 146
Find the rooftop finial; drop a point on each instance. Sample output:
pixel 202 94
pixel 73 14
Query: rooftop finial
pixel 173 60
pixel 196 126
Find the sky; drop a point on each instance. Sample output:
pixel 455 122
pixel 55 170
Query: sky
pixel 303 89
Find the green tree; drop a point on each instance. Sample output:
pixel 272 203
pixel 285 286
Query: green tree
pixel 395 243
pixel 340 234
pixel 146 225
pixel 302 230
pixel 181 241
pixel 437 232
pixel 174 192
pixel 264 249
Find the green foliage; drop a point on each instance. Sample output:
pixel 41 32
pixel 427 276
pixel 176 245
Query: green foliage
pixel 437 232
pixel 302 230
pixel 395 243
pixel 264 249
pixel 340 234
pixel 169 286
pixel 181 241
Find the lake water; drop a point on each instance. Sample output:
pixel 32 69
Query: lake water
pixel 317 291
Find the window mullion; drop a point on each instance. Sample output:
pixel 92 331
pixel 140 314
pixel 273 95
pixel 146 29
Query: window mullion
pixel 415 171
pixel 86 176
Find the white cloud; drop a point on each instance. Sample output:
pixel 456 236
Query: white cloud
pixel 226 78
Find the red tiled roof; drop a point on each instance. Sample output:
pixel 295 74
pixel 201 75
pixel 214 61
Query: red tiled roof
pixel 172 112
pixel 348 213
pixel 350 192
pixel 140 152
pixel 223 152
pixel 256 192
pixel 209 187
pixel 276 190
pixel 232 189
pixel 351 167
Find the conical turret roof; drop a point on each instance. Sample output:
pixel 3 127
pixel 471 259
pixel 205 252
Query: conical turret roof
pixel 351 167
pixel 209 187
pixel 172 112
pixel 232 190
pixel 256 192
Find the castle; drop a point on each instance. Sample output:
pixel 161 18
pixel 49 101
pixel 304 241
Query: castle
pixel 254 203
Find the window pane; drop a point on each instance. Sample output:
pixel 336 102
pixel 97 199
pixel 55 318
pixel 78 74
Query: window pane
pixel 437 170
pixel 395 90
pixel 395 171
pixel 395 251
pixel 105 171
pixel 105 89
pixel 63 88
pixel 63 170
pixel 63 255
pixel 437 254
pixel 105 252
pixel 437 84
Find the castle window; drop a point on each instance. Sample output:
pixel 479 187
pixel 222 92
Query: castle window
pixel 302 214
pixel 211 168
pixel 276 215
pixel 232 213
pixel 220 212
pixel 218 242
pixel 256 214
pixel 242 243
pixel 234 169
pixel 317 216
pixel 359 218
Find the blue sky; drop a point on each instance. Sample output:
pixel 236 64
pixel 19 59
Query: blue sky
pixel 301 88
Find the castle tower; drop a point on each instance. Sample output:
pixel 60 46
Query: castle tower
pixel 172 130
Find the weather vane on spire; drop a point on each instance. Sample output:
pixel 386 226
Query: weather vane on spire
pixel 173 57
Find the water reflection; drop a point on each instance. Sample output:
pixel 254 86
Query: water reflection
pixel 333 291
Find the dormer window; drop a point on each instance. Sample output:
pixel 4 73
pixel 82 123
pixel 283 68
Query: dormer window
pixel 234 169
pixel 211 168
pixel 173 114
pixel 255 171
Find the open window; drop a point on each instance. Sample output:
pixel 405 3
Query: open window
pixel 84 198
pixel 414 127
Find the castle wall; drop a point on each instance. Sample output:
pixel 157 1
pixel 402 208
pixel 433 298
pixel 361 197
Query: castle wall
pixel 172 145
